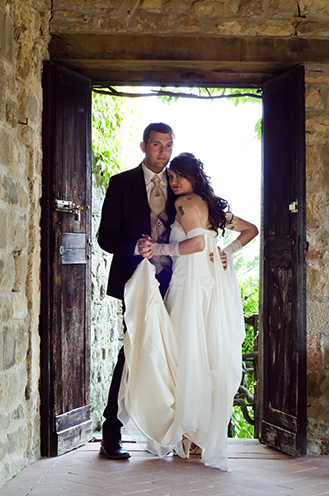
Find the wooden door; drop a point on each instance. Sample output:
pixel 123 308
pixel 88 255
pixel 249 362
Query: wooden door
pixel 282 390
pixel 66 263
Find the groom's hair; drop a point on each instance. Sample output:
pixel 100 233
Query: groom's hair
pixel 159 127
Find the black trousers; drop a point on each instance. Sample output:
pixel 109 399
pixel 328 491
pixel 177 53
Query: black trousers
pixel 112 425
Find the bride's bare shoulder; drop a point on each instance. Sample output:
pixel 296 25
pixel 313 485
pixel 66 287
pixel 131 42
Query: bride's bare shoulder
pixel 188 200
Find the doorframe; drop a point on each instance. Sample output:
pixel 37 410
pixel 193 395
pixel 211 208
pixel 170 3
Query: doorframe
pixel 45 211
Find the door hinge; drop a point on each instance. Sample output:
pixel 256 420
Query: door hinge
pixel 293 207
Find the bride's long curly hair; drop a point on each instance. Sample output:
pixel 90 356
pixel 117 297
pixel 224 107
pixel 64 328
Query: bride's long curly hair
pixel 192 168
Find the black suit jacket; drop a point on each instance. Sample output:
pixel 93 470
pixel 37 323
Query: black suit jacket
pixel 125 217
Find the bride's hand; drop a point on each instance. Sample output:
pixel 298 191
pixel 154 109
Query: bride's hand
pixel 223 258
pixel 145 246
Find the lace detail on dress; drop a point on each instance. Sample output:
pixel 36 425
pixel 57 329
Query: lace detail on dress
pixel 210 254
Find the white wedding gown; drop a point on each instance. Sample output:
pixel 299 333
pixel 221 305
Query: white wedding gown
pixel 183 354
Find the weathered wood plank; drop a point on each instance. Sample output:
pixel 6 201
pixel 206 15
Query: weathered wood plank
pixel 73 437
pixel 72 418
pixel 124 59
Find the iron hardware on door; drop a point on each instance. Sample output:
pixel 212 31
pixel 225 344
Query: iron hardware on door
pixel 293 207
pixel 68 206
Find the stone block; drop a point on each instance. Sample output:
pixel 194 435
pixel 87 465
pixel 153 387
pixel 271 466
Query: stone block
pixel 312 255
pixel 317 128
pixel 21 265
pixel 20 304
pixel 3 81
pixel 284 7
pixel 314 352
pixel 2 264
pixel 16 386
pixel 317 280
pixel 152 4
pixel 4 422
pixel 18 413
pixel 3 448
pixel 9 347
pixel 312 206
pixel 23 196
pixel 24 68
pixel 151 22
pixel 325 350
pixel 5 148
pixel 176 5
pixel 10 190
pixel 274 27
pixel 128 5
pixel 3 391
pixel 12 113
pixel 233 26
pixel 12 442
pixel 32 109
pixel 114 24
pixel 313 163
pixel 313 97
pixel 189 23
pixel 26 135
pixel 251 7
pixel 314 7
pixel 314 380
pixel 3 233
pixel 1 358
pixel 2 28
pixel 215 7
pixel 8 40
pixel 312 29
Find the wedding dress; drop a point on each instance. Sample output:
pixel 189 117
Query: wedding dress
pixel 183 354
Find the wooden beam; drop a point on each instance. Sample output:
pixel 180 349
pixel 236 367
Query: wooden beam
pixel 183 60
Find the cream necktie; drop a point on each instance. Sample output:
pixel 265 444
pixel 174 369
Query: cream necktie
pixel 157 198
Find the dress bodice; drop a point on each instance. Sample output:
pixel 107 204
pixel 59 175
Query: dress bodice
pixel 204 259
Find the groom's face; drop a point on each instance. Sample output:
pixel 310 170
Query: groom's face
pixel 157 151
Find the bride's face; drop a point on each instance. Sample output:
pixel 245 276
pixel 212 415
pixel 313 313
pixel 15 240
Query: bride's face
pixel 179 184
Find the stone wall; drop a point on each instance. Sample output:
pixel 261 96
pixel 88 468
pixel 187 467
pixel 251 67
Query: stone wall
pixel 106 318
pixel 317 163
pixel 284 18
pixel 23 47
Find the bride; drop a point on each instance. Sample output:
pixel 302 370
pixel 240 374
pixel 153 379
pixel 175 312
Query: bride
pixel 183 354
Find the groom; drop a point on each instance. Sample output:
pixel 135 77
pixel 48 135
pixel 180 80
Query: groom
pixel 135 205
pixel 138 201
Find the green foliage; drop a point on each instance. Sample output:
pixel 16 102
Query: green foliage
pixel 258 129
pixel 249 290
pixel 106 146
pixel 221 92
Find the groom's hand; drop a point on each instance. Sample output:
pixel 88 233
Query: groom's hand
pixel 223 258
pixel 145 246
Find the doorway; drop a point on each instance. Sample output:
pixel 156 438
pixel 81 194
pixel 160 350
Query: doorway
pixel 282 418
pixel 211 129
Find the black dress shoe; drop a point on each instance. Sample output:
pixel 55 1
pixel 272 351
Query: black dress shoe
pixel 114 451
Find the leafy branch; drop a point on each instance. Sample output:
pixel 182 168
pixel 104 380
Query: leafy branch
pixel 211 94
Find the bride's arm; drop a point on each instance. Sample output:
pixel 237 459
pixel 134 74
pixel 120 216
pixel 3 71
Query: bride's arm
pixel 247 230
pixel 188 217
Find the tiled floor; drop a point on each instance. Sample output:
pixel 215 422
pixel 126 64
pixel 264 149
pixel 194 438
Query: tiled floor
pixel 255 470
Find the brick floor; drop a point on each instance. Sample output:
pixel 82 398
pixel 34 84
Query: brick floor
pixel 255 470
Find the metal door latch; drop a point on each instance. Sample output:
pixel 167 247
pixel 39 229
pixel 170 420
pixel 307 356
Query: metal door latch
pixel 68 206
pixel 293 207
